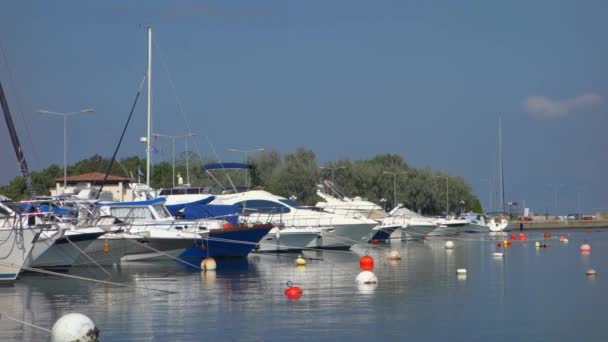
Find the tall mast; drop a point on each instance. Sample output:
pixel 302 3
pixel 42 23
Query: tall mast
pixel 149 109
pixel 500 169
pixel 16 145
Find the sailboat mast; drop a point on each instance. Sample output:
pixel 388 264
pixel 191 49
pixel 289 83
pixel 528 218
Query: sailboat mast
pixel 502 181
pixel 16 145
pixel 149 109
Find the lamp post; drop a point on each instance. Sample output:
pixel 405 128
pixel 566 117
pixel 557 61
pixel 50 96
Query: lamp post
pixel 65 141
pixel 246 160
pixel 394 183
pixel 447 194
pixel 173 137
pixel 555 189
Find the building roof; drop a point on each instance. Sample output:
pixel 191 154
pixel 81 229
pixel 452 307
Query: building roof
pixel 96 177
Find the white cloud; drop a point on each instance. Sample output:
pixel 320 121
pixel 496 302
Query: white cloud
pixel 545 108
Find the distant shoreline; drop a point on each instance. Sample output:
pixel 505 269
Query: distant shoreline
pixel 559 224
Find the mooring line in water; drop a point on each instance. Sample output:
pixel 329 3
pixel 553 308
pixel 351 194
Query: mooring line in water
pixel 167 255
pixel 91 259
pixel 39 270
pixel 4 315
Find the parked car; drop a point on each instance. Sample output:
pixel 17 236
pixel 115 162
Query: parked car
pixel 573 217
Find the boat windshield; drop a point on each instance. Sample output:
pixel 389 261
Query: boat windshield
pixel 161 211
pixel 132 213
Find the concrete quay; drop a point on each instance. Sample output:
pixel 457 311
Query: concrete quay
pixel 560 224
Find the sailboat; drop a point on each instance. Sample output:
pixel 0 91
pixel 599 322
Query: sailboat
pixel 18 232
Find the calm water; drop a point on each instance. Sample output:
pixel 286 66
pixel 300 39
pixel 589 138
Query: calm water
pixel 531 295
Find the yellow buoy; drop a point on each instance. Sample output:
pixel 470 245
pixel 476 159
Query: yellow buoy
pixel 300 261
pixel 106 247
pixel 208 264
pixel 537 244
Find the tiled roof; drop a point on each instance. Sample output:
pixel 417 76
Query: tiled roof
pixel 96 177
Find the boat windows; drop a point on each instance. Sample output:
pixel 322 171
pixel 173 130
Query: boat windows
pixel 261 206
pixel 290 203
pixel 132 213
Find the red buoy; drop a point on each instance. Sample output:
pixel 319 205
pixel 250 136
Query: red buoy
pixel 499 245
pixel 547 235
pixel 293 292
pixel 522 237
pixel 513 237
pixel 423 237
pixel 366 263
pixel 585 248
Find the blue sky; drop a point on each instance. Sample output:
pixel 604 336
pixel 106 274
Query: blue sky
pixel 422 79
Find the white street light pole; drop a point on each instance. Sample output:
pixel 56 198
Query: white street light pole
pixel 394 183
pixel 65 139
pixel 173 137
pixel 555 189
pixel 246 160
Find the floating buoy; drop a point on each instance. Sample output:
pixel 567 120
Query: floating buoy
pixel 366 263
pixel 449 244
pixel 513 237
pixel 591 272
pixel 74 327
pixel 106 247
pixel 505 243
pixel 208 264
pixel 499 245
pixel 564 240
pixel 545 245
pixel 508 244
pixel 547 235
pixel 522 237
pixel 461 271
pixel 293 292
pixel 394 255
pixel 423 237
pixel 537 244
pixel 300 261
pixel 497 255
pixel 585 248
pixel 366 277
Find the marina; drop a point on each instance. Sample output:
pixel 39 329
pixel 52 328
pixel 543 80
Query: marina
pixel 517 296
pixel 303 171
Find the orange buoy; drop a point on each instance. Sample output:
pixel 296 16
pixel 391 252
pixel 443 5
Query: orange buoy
pixel 106 247
pixel 513 237
pixel 585 248
pixel 366 263
pixel 547 235
pixel 522 237
pixel 227 225
pixel 508 243
pixel 293 292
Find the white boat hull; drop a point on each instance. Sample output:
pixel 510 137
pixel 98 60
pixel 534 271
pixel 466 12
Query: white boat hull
pixel 65 250
pixel 342 236
pixel 105 251
pixel 17 246
pixel 287 240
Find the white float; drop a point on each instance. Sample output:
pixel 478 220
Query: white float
pixel 366 277
pixel 74 327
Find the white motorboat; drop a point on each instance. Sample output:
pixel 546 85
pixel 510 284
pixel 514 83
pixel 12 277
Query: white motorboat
pixel 331 230
pixel 481 222
pixel 17 240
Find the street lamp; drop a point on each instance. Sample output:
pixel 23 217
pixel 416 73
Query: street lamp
pixel 555 189
pixel 394 183
pixel 447 194
pixel 246 160
pixel 65 139
pixel 173 137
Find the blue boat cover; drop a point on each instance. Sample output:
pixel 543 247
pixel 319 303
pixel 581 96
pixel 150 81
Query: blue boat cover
pixel 175 209
pixel 134 203
pixel 193 211
pixel 227 166
pixel 56 210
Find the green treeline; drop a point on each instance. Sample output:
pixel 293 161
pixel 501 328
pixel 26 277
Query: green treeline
pixel 293 174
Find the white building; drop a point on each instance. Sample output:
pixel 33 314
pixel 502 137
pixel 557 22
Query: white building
pixel 116 186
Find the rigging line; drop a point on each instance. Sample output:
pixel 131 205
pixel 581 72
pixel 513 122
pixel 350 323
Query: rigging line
pixel 88 257
pixel 167 255
pixel 174 89
pixel 4 315
pixel 39 270
pixel 19 106
pixel 124 130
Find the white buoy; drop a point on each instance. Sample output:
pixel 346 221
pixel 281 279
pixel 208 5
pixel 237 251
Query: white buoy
pixel 394 255
pixel 366 277
pixel 208 264
pixel 461 271
pixel 537 244
pixel 449 244
pixel 564 240
pixel 300 261
pixel 497 255
pixel 74 327
pixel 591 272
pixel 585 248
